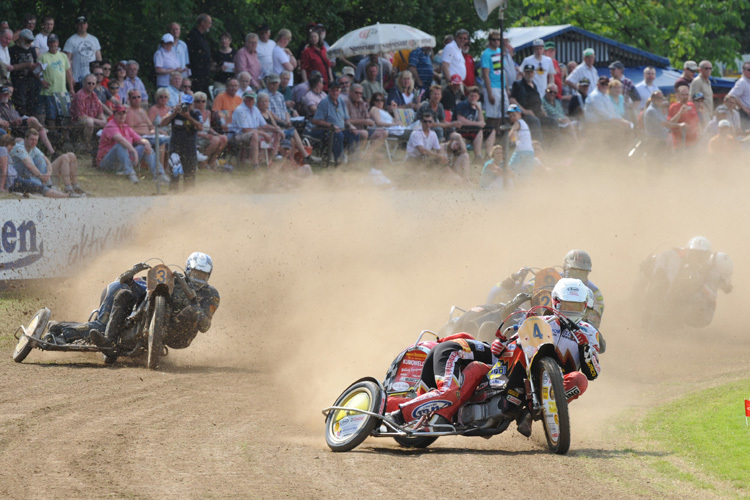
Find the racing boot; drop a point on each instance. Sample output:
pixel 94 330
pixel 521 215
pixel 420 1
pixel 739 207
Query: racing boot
pixel 99 340
pixel 524 423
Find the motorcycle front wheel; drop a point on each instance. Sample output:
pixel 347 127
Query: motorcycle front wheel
pixel 35 328
pixel 345 430
pixel 551 391
pixel 156 331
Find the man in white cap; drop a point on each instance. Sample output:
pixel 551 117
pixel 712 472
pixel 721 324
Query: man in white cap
pixel 82 48
pixel 544 68
pixel 689 70
pixel 584 70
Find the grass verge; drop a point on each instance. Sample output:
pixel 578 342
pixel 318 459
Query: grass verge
pixel 707 429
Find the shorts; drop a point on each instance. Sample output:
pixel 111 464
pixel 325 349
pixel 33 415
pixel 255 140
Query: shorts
pixel 471 132
pixel 49 106
pixel 494 110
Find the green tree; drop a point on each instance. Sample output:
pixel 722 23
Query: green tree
pixel 677 29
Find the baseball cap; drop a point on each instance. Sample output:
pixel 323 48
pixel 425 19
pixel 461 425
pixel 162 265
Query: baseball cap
pixel 348 70
pixel 27 34
pixel 81 19
pixel 249 93
pixel 617 65
pixel 186 99
pixel 529 67
pixel 603 80
pixel 118 108
pixel 537 43
pixel 4 90
pixel 721 109
pixel 549 45
pixel 456 79
pixel 167 38
pixel 513 108
pixel 273 77
pixel 588 52
pixel 724 123
pixel 52 38
pixel 584 81
pixel 691 65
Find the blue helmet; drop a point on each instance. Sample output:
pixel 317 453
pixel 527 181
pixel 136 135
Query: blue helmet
pixel 199 266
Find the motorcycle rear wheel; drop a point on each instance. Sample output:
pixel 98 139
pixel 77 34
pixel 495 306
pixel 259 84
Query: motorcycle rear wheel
pixel 551 391
pixel 35 328
pixel 156 332
pixel 345 430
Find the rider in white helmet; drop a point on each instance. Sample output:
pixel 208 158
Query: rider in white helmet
pixel 577 341
pixel 576 264
pixel 188 316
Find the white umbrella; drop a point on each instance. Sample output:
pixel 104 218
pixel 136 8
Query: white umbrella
pixel 380 39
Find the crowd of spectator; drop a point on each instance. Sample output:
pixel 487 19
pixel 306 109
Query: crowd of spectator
pixel 271 105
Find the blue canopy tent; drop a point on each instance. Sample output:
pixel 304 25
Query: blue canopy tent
pixel 570 42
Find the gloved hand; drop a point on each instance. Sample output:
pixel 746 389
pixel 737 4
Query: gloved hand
pixel 497 347
pixel 127 276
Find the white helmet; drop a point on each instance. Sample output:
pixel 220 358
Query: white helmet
pixel 571 298
pixel 577 264
pixel 698 250
pixel 199 266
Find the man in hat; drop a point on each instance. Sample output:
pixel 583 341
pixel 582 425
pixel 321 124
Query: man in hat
pixel 617 71
pixel 166 61
pixel 526 96
pixel 265 49
pixel 82 48
pixel 584 70
pixel 57 77
pixel 186 122
pixel 453 94
pixel 249 127
pixel 544 68
pixel 24 75
pixel 332 117
pixel 689 70
pixel 578 100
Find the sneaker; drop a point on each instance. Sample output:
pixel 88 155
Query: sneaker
pixel 133 178
pixel 312 160
pixel 98 339
pixel 524 423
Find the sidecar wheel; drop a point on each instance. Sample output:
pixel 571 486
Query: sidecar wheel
pixel 415 442
pixel 35 328
pixel 554 405
pixel 345 430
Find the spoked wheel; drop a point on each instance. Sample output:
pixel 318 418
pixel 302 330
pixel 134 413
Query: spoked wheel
pixel 156 332
pixel 415 441
pixel 35 329
pixel 345 430
pixel 554 405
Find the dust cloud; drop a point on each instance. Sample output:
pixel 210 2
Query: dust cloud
pixel 321 286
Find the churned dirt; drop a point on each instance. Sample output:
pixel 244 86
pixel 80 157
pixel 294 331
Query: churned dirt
pixel 322 287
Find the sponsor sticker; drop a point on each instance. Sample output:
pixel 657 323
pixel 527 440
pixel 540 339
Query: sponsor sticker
pixel 513 400
pixel 430 407
pixel 400 386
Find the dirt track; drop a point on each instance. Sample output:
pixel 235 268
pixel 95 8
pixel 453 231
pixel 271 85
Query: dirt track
pixel 319 289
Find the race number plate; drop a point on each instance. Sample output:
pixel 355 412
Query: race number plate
pixel 159 275
pixel 544 282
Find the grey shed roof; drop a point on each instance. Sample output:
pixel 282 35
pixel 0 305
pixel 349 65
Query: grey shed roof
pixel 571 41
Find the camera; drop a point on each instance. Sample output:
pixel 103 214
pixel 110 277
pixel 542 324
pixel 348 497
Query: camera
pixel 184 108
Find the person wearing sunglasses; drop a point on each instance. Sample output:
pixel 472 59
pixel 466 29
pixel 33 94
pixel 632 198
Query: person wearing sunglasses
pixel 86 110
